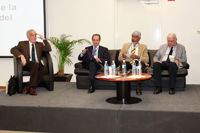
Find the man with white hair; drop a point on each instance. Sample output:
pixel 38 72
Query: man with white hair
pixel 169 57
pixel 134 51
pixel 30 52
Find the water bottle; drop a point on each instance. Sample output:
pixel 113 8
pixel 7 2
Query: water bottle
pixel 113 67
pixel 134 68
pixel 139 71
pixel 124 68
pixel 106 68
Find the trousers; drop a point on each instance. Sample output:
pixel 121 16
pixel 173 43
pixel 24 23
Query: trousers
pixel 37 71
pixel 157 70
pixel 91 64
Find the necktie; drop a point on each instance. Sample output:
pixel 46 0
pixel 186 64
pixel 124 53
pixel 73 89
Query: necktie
pixel 94 51
pixel 33 53
pixel 170 53
pixel 132 52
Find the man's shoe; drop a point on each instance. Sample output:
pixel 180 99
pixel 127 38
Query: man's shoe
pixel 158 90
pixel 138 90
pixel 172 91
pixel 91 90
pixel 26 89
pixel 32 91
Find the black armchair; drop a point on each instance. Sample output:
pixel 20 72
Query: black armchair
pixel 48 79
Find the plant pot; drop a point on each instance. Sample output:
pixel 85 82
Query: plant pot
pixel 65 78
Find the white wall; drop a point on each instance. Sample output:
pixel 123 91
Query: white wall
pixel 84 18
pixel 81 19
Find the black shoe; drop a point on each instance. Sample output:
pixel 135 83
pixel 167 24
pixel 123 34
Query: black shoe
pixel 91 90
pixel 172 91
pixel 158 90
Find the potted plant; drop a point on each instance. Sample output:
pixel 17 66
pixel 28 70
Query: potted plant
pixel 65 48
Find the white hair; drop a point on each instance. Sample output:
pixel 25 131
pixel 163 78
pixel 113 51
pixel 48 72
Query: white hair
pixel 137 33
pixel 171 34
pixel 28 31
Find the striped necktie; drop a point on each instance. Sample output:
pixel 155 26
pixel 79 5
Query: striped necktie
pixel 33 53
pixel 94 51
pixel 132 52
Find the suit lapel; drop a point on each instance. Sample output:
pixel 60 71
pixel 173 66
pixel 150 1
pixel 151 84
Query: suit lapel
pixel 37 49
pixel 128 46
pixel 177 51
pixel 99 52
pixel 28 49
pixel 139 49
pixel 164 50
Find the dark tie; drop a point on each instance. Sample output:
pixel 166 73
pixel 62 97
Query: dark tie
pixel 94 51
pixel 33 53
pixel 170 53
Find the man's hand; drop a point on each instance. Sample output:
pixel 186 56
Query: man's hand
pixel 84 51
pixel 134 56
pixel 23 60
pixel 177 62
pixel 159 61
pixel 97 59
pixel 123 55
pixel 40 36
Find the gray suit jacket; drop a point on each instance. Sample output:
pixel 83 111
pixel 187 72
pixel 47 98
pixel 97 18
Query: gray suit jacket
pixel 180 53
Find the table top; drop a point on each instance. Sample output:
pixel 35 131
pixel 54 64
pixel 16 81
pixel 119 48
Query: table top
pixel 145 76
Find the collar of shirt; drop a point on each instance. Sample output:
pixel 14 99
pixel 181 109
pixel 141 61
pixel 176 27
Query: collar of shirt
pixel 30 49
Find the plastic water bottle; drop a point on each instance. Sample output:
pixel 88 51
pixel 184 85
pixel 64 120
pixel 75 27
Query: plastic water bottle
pixel 124 68
pixel 139 71
pixel 106 68
pixel 113 67
pixel 134 68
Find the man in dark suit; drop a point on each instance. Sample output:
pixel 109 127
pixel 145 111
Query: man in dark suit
pixel 30 53
pixel 93 58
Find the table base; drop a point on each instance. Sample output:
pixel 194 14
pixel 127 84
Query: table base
pixel 131 100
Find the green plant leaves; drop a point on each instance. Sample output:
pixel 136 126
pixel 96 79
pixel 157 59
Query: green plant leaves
pixel 65 48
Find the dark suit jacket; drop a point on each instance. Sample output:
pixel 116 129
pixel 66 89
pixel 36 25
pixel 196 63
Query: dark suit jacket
pixel 103 54
pixel 23 48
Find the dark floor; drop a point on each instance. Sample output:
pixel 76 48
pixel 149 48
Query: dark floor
pixel 65 95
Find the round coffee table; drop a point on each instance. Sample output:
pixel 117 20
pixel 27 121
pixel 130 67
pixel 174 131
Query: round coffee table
pixel 123 89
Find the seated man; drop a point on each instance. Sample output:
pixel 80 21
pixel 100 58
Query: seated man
pixel 168 57
pixel 93 58
pixel 134 51
pixel 30 53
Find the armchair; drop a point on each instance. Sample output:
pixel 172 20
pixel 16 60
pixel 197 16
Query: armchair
pixel 48 79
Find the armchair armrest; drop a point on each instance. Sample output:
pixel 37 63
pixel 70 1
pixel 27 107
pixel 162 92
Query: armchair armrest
pixel 47 61
pixel 186 65
pixel 48 80
pixel 18 72
pixel 78 65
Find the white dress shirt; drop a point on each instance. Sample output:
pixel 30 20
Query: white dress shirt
pixel 30 47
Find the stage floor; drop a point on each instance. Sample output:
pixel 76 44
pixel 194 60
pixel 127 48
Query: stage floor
pixel 72 105
pixel 66 95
